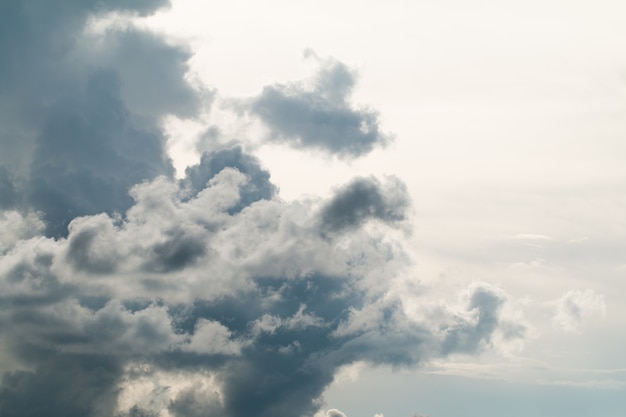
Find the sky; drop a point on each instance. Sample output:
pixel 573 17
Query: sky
pixel 329 209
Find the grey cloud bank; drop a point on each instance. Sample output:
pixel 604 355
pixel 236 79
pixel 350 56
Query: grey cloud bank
pixel 80 119
pixel 125 292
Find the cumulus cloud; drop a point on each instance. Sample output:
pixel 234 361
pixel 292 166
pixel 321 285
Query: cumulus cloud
pixel 268 306
pixel 258 187
pixel 126 292
pixel 576 307
pixel 317 113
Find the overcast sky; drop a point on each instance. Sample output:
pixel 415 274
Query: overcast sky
pixel 328 209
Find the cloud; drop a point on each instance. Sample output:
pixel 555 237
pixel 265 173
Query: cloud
pixel 65 385
pixel 15 226
pixel 256 188
pixel 333 412
pixel 149 69
pixel 317 114
pixel 81 113
pixel 268 306
pixel 195 402
pixel 576 307
pixel 468 332
pixel 364 199
pixel 126 292
pixel 8 194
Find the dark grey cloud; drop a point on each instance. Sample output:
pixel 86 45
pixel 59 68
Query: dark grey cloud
pixel 64 385
pixel 149 70
pixel 286 367
pixel 68 386
pixel 81 112
pixel 89 153
pixel 8 194
pixel 364 199
pixel 320 116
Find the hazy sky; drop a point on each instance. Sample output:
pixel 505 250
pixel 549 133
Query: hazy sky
pixel 319 209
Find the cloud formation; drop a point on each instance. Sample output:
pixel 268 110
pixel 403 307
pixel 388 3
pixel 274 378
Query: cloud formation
pixel 257 300
pixel 126 292
pixel 317 114
pixel 81 112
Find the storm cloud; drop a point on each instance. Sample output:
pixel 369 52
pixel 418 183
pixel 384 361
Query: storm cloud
pixel 81 112
pixel 318 115
pixel 127 292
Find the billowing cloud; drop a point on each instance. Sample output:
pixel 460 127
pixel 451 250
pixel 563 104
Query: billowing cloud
pixel 81 113
pixel 126 292
pixel 257 299
pixel 317 114
pixel 256 188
